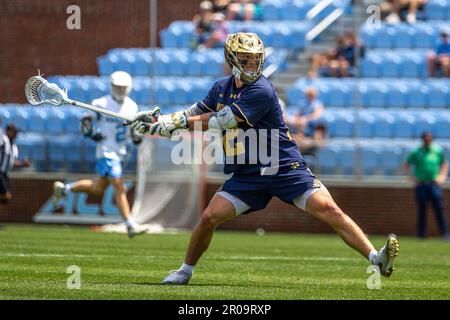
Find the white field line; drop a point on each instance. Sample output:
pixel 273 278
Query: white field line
pixel 242 258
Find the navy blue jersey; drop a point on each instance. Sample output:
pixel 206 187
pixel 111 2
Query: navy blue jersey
pixel 257 104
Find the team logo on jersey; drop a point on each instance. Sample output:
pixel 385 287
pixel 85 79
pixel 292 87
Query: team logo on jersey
pixel 317 184
pixel 295 165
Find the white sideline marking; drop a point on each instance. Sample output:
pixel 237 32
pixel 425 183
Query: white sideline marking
pixel 307 258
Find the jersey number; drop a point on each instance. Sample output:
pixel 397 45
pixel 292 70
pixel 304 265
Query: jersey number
pixel 121 132
pixel 231 148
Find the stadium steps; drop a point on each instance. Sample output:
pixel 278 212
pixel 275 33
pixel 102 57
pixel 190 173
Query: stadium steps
pixel 299 65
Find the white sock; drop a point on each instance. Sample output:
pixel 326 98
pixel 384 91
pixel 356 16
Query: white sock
pixel 372 255
pixel 129 222
pixel 187 268
pixel 68 187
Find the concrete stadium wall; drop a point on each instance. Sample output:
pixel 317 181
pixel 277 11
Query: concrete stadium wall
pixel 378 210
pixel 34 36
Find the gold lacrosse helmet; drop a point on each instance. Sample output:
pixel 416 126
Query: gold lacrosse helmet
pixel 248 43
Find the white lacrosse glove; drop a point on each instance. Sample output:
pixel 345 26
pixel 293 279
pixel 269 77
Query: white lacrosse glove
pixel 168 123
pixel 142 120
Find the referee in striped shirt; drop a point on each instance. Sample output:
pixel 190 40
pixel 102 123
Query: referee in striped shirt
pixel 8 160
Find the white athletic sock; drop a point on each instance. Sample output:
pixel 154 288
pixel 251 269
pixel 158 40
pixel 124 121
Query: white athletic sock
pixel 129 222
pixel 187 268
pixel 372 255
pixel 68 187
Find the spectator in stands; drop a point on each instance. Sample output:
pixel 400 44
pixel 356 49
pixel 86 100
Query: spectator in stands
pixel 353 46
pixel 395 11
pixel 440 58
pixel 221 6
pixel 219 32
pixel 310 145
pixel 430 173
pixel 322 60
pixel 304 121
pixel 203 23
pixel 8 160
pixel 345 55
pixel 244 10
pixel 337 62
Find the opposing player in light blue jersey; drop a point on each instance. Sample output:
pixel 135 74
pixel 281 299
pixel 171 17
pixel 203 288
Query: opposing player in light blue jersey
pixel 111 138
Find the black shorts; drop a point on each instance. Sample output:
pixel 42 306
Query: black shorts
pixel 4 183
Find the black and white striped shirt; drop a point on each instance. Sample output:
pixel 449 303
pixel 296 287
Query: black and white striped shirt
pixel 8 154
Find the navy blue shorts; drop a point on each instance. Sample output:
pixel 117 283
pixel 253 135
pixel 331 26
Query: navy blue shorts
pixel 256 190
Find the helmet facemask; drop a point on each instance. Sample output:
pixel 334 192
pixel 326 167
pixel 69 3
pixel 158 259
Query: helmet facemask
pixel 119 93
pixel 244 54
pixel 120 85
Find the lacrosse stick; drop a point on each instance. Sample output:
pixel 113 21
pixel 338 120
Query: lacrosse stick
pixel 39 91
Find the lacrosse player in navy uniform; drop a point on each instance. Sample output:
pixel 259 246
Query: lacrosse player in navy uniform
pixel 246 100
pixel 111 139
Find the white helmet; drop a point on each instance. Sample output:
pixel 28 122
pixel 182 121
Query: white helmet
pixel 120 85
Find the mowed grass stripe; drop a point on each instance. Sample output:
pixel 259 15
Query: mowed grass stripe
pixel 34 259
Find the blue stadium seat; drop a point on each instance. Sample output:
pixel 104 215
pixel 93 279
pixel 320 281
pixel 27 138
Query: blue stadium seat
pixel 162 62
pixel 105 65
pixel 180 94
pixel 73 148
pixel 441 125
pixel 72 120
pixel 396 95
pixel 390 66
pixel 370 159
pixel 178 64
pixel 417 97
pixel 343 125
pixel 143 63
pixel 18 115
pixel 437 96
pixel 88 147
pixel 367 124
pixel 404 126
pixel 371 66
pixel 423 122
pixel 425 36
pixel 385 38
pixel 58 147
pixel 384 125
pixel 376 95
pixel 54 122
pixel 412 66
pixel 328 159
pixel 391 159
pixel 347 159
pixel 196 65
pixel 38 151
pixel 437 10
pixel 404 37
pixel 36 120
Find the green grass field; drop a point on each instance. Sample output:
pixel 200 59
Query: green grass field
pixel 34 260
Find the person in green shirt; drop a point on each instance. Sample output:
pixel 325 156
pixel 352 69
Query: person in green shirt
pixel 430 172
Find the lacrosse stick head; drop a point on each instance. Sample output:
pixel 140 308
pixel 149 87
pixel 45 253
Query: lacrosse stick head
pixel 39 91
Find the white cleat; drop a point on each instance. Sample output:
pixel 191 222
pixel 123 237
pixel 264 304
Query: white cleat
pixel 177 277
pixel 135 230
pixel 58 193
pixel 385 257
